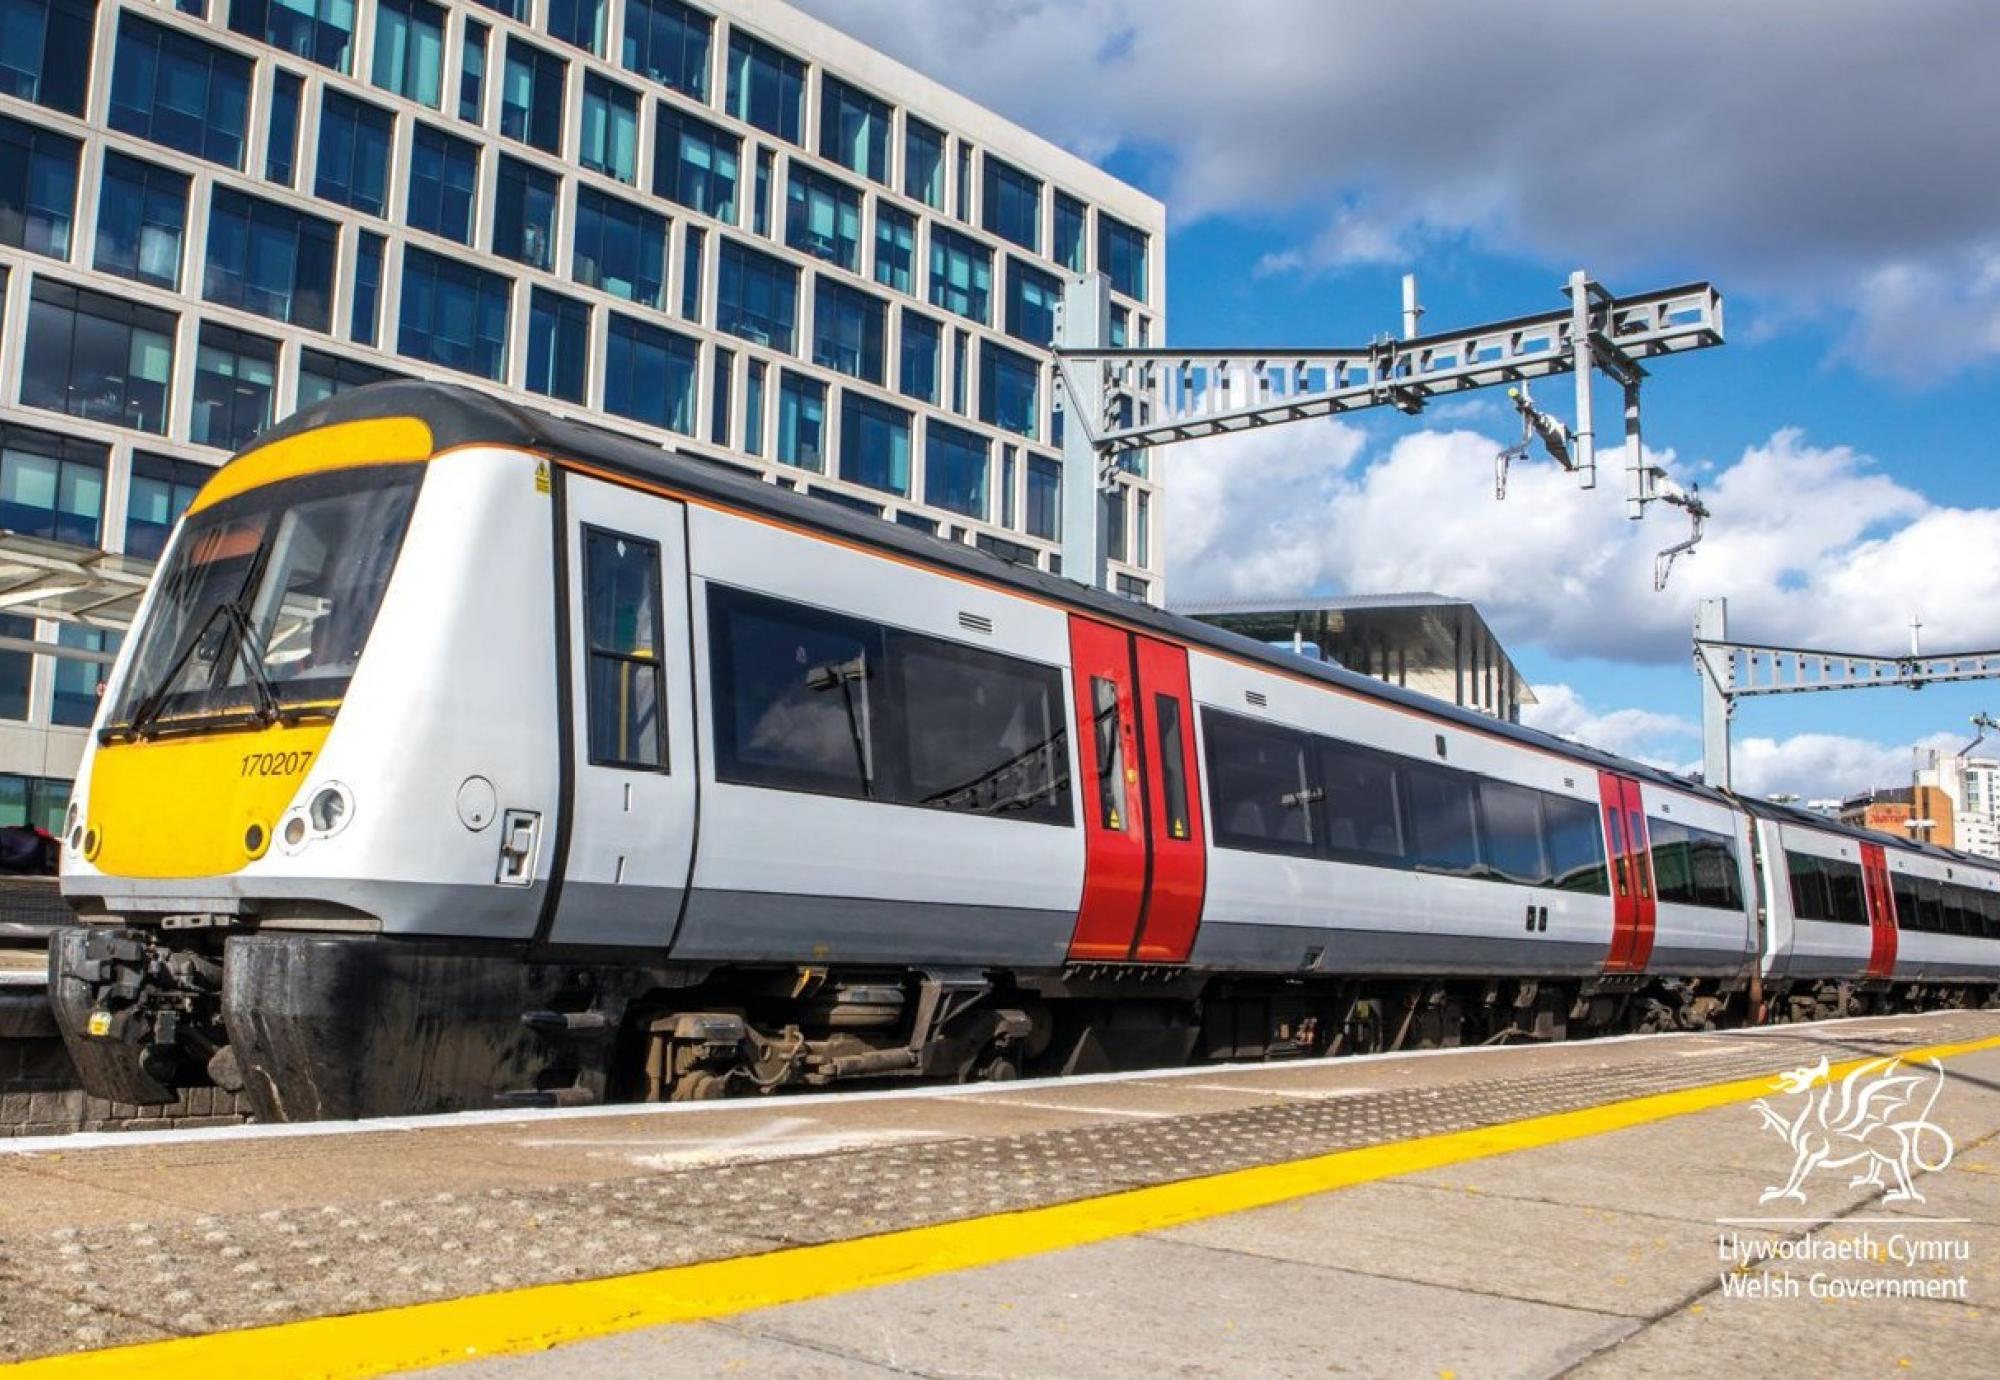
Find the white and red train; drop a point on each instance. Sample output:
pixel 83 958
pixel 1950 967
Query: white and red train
pixel 463 755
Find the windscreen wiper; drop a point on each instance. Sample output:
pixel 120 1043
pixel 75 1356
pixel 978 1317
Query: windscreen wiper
pixel 149 708
pixel 250 651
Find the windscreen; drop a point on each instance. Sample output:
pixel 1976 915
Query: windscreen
pixel 266 603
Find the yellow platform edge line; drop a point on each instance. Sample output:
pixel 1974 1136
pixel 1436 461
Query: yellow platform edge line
pixel 550 1315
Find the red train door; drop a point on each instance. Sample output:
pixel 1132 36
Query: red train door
pixel 1144 866
pixel 1634 906
pixel 1881 911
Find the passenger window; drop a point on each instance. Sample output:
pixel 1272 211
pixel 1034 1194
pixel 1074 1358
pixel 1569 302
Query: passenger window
pixel 1262 787
pixel 1844 889
pixel 1443 836
pixel 796 695
pixel 1173 765
pixel 1673 862
pixel 1512 816
pixel 1575 830
pixel 1110 753
pixel 1363 804
pixel 621 614
pixel 982 733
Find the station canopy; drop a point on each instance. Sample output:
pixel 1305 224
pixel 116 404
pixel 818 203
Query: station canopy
pixel 1429 643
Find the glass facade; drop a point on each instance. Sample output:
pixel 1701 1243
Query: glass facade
pixel 213 211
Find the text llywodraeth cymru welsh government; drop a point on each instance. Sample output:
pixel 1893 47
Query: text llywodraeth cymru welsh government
pixel 1888 1265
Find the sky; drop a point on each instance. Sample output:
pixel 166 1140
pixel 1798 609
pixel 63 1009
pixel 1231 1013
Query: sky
pixel 1830 165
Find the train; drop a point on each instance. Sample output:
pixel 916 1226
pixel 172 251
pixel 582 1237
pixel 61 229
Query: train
pixel 464 756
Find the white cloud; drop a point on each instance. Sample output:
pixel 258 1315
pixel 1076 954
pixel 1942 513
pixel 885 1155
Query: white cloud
pixel 1648 736
pixel 1820 155
pixel 1813 544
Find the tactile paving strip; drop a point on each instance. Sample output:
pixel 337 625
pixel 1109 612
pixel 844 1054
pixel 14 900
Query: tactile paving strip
pixel 92 1287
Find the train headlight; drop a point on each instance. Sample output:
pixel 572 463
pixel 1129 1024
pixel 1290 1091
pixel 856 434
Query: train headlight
pixel 330 809
pixel 295 832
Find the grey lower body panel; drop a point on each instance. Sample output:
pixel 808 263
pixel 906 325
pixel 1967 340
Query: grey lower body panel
pixel 1292 948
pixel 612 915
pixel 754 926
pixel 1701 963
pixel 446 910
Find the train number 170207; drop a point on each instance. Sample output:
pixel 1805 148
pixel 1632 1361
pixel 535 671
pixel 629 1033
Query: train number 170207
pixel 275 763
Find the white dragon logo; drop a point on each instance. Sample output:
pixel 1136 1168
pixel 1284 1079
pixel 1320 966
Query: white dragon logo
pixel 1870 1118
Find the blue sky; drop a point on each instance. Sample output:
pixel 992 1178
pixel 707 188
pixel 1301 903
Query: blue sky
pixel 1830 168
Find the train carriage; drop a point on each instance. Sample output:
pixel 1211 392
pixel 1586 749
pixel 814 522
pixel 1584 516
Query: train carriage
pixel 463 756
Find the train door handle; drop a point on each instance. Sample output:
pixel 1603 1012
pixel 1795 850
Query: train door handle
pixel 1543 913
pixel 1531 917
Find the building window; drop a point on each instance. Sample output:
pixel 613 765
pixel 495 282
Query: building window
pixel 558 345
pixel 180 92
pixel 513 9
pixel 923 164
pixel 1044 509
pixel 1032 298
pixel 78 684
pixel 281 143
pixel 235 378
pixel 961 352
pixel 649 374
pixel 1114 521
pixel 719 377
pixel 444 180
pixel 38 801
pixel 322 376
pixel 453 314
pixel 895 248
pixel 1012 207
pixel 921 345
pixel 1008 384
pixel 269 259
pixel 1010 474
pixel 1069 233
pixel 1142 529
pixel 37 188
pixel 620 248
pixel 91 355
pixel 1121 254
pixel 667 41
pixel 320 31
pixel 848 328
pixel 854 129
pixel 874 444
pixel 609 141
pixel 823 218
pixel 409 49
pixel 51 486
pixel 964 187
pixel 354 141
pixel 143 215
pixel 955 469
pixel 692 243
pixel 802 422
pixel 961 274
pixel 760 211
pixel 524 214
pixel 694 163
pixel 472 74
pixel 579 22
pixel 767 88
pixel 367 288
pixel 17 676
pixel 624 636
pixel 531 96
pixel 45 51
pixel 753 407
pixel 160 492
pixel 756 296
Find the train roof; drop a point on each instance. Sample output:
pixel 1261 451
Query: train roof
pixel 460 415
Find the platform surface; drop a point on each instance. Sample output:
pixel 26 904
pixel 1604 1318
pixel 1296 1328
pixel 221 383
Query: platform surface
pixel 1579 1208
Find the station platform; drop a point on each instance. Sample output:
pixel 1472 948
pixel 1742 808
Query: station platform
pixel 1593 1208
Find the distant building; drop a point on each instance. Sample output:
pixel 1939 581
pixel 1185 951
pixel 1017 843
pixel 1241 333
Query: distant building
pixel 1921 812
pixel 1972 786
pixel 1427 642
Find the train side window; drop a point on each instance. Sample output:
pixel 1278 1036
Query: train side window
pixel 1363 803
pixel 1107 734
pixel 622 633
pixel 1512 833
pixel 1718 880
pixel 798 695
pixel 1809 890
pixel 1673 861
pixel 1848 893
pixel 1263 795
pixel 1173 765
pixel 1930 904
pixel 1575 834
pixel 1903 888
pixel 981 733
pixel 1443 833
pixel 1954 911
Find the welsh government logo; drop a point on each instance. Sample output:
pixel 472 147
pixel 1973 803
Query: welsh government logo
pixel 1877 1118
